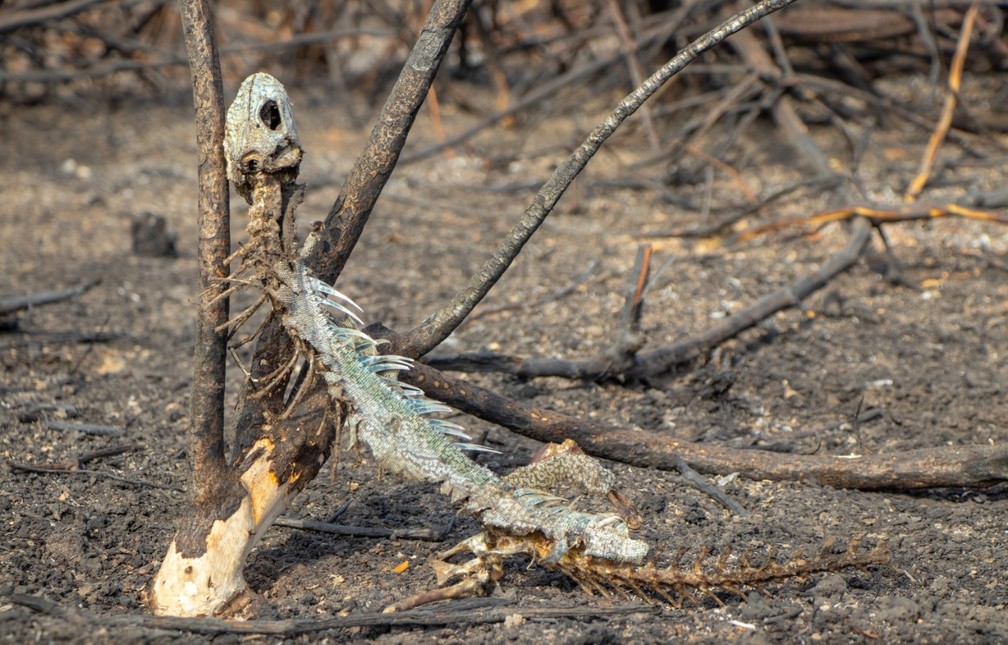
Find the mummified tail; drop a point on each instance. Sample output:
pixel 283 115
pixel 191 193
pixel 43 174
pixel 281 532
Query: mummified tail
pixel 708 574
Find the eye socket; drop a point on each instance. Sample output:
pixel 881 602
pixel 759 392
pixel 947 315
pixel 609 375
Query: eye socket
pixel 269 114
pixel 251 162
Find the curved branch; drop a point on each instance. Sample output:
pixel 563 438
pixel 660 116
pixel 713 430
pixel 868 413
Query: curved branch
pixel 661 360
pixel 658 361
pixel 431 332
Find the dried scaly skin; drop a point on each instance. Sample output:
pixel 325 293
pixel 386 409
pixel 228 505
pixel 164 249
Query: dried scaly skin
pixel 392 418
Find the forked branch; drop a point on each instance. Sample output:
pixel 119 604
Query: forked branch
pixel 656 361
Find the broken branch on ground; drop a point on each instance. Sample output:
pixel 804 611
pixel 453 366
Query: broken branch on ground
pixel 947 466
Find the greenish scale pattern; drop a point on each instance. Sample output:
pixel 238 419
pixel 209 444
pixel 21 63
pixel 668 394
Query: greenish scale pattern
pixel 408 442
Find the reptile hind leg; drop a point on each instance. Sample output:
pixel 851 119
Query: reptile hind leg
pixel 478 575
pixel 478 584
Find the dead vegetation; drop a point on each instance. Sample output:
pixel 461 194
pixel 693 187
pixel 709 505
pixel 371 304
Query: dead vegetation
pixel 816 63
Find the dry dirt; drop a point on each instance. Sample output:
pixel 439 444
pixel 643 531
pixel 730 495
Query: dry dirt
pixel 926 354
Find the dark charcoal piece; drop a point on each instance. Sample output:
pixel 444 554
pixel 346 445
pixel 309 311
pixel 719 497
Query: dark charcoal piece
pixel 151 237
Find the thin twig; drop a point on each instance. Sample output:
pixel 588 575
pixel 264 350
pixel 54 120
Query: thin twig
pixel 74 463
pixel 86 428
pixel 28 468
pixel 111 451
pixel 427 535
pixel 731 171
pixel 12 304
pixel 628 339
pixel 927 39
pixel 630 55
pixel 916 186
pixel 475 611
pixel 641 276
pixel 877 215
pixel 694 479
pixel 430 333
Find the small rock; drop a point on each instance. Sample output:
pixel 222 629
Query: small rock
pixel 896 609
pixel 151 237
pixel 832 586
pixel 513 620
pixel 940 587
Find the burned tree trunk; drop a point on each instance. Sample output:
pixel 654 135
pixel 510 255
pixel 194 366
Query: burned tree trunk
pixel 202 571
